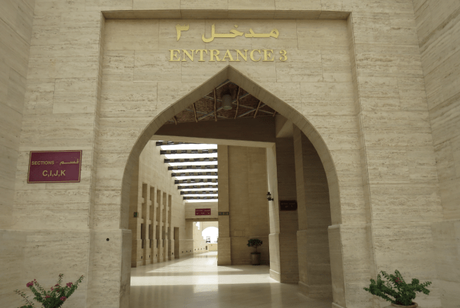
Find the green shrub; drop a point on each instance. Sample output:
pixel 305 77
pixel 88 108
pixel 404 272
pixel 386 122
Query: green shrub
pixel 254 242
pixel 395 290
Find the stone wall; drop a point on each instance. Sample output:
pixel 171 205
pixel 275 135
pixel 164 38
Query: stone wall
pixel 246 173
pixel 438 29
pixel 156 208
pixel 16 18
pixel 288 220
pixel 354 86
pixel 401 199
pixel 314 218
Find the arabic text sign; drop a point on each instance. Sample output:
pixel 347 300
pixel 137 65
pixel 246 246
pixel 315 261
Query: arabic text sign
pixel 54 167
pixel 232 33
pixel 201 212
pixel 228 55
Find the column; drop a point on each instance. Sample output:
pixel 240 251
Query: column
pixel 314 217
pixel 225 242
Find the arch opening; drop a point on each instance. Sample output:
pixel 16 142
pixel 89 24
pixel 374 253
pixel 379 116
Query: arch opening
pixel 210 234
pixel 232 74
pixel 309 141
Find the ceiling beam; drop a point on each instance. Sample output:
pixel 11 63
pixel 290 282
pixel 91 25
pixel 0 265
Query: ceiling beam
pixel 196 186
pixel 176 152
pixel 200 198
pixel 257 110
pixel 161 142
pixel 210 114
pixel 215 106
pixel 192 181
pixel 194 111
pixel 250 107
pixel 219 100
pixel 246 113
pixel 194 167
pixel 237 102
pixel 174 174
pixel 181 160
pixel 211 192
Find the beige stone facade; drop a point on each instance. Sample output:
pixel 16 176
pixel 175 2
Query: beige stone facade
pixel 371 89
pixel 156 213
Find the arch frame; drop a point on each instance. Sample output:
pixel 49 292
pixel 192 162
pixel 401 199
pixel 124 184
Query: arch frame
pixel 232 74
pixel 235 76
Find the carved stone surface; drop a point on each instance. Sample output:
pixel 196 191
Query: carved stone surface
pixel 372 84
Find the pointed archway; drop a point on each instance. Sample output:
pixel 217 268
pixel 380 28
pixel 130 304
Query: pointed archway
pixel 302 123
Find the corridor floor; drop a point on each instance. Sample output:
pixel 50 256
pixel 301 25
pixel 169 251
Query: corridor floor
pixel 198 282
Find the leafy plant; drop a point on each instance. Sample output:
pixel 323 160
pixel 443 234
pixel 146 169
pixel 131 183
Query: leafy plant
pixel 53 298
pixel 395 289
pixel 254 242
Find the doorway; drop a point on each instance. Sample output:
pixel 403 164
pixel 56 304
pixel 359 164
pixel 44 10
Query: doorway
pixel 297 120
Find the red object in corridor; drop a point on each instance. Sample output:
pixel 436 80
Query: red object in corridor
pixel 54 167
pixel 200 212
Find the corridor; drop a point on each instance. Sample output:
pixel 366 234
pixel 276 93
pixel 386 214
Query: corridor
pixel 198 282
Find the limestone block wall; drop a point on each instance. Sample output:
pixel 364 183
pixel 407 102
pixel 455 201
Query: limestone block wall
pixel 223 204
pixel 187 247
pixel 288 220
pixel 16 18
pixel 248 206
pixel 314 218
pixel 401 198
pixel 354 86
pixel 157 211
pixel 438 29
pixel 199 245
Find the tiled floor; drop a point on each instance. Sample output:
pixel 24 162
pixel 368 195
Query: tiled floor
pixel 199 282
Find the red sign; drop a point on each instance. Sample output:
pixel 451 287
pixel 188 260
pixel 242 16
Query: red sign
pixel 200 212
pixel 54 167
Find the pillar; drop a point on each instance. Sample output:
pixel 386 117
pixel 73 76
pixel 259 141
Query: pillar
pixel 224 250
pixel 314 217
pixel 288 225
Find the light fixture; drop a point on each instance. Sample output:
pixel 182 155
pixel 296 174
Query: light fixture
pixel 269 197
pixel 227 102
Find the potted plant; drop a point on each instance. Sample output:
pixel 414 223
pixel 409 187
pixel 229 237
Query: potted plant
pixel 393 288
pixel 255 256
pixel 52 298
